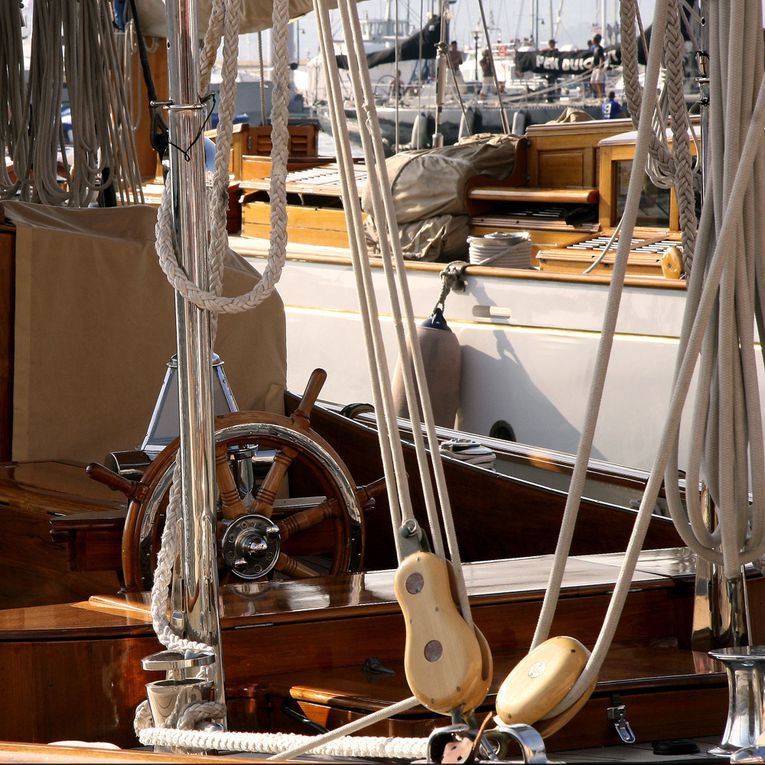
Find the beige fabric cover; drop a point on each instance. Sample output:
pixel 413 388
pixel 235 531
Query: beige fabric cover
pixel 429 193
pixel 432 181
pixel 256 15
pixel 95 328
pixel 442 237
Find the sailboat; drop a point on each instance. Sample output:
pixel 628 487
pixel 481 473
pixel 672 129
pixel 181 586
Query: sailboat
pixel 325 631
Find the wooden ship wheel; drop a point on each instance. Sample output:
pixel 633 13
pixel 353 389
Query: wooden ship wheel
pixel 313 529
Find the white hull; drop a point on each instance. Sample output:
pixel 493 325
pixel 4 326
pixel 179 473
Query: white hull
pixel 528 348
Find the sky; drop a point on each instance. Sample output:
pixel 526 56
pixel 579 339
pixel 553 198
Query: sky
pixel 572 19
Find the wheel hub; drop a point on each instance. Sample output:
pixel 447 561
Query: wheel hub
pixel 251 546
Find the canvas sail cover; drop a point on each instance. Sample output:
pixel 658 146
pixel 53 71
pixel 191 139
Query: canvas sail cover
pixel 421 45
pixel 429 190
pixel 256 15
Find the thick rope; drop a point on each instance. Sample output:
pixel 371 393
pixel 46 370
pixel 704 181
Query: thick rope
pixel 579 474
pixel 400 297
pixel 210 299
pixel 397 487
pixel 349 746
pixel 13 128
pixel 666 167
pixel 163 574
pixel 286 746
pixel 727 417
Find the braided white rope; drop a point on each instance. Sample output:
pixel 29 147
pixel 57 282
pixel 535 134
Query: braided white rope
pixel 209 299
pixel 163 573
pixel 226 109
pixel 349 746
pixel 213 35
pixel 665 168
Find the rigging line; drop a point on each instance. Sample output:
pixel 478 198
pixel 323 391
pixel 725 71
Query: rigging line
pixel 400 295
pixel 579 474
pixel 394 468
pixel 397 84
pixel 753 144
pixel 378 185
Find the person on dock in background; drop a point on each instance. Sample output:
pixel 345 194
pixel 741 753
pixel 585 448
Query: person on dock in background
pixel 587 86
pixel 598 76
pixel 611 109
pixel 487 71
pixel 455 56
pixel 552 74
pixel 396 87
pixel 454 59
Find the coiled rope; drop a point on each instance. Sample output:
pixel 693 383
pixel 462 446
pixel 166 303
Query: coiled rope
pixel 76 39
pixel 14 142
pixel 225 18
pixel 726 446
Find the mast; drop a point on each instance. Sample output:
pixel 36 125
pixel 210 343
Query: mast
pixel 197 452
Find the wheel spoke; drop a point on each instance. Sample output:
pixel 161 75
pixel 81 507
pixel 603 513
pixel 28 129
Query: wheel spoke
pixel 264 499
pixel 306 519
pixel 294 568
pixel 231 503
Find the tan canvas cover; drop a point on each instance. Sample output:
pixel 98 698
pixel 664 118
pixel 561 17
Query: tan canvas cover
pixel 442 237
pixel 95 328
pixel 432 182
pixel 256 15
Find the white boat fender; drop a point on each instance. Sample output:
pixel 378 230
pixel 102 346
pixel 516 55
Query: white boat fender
pixel 441 356
pixel 420 138
pixel 519 123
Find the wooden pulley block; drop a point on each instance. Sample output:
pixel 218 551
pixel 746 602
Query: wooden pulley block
pixel 672 263
pixel 448 663
pixel 551 725
pixel 540 681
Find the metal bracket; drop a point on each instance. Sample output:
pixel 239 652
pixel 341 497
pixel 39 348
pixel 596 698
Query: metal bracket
pixel 463 744
pixel 617 715
pixel 413 538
